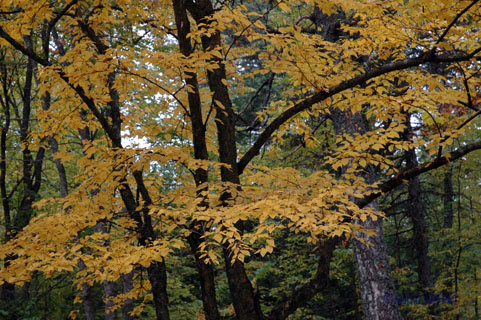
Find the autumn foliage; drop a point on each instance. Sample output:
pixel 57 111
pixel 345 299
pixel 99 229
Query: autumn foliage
pixel 168 119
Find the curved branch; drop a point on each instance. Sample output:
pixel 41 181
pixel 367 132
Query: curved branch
pixel 441 38
pixel 410 173
pixel 305 104
pixel 306 292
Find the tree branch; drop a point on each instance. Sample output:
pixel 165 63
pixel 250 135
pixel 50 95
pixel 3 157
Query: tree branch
pixel 441 38
pixel 410 173
pixel 425 57
pixel 44 62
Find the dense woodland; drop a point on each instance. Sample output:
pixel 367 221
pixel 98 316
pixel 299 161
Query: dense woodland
pixel 207 159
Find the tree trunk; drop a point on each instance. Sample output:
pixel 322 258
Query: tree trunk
pixel 158 279
pixel 375 279
pixel 87 302
pixel 205 270
pixel 127 286
pixel 416 212
pixel 415 209
pixel 243 295
pixel 7 290
pixel 448 198
pixel 109 286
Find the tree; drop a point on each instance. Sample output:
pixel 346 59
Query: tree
pixel 164 73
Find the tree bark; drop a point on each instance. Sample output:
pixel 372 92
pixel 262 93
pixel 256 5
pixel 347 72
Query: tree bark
pixel 375 279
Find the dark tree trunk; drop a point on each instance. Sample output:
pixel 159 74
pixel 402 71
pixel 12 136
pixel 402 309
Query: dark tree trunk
pixel 109 286
pixel 416 212
pixel 25 209
pixel 87 300
pixel 5 102
pixel 127 286
pixel 109 293
pixel 158 280
pixel 205 270
pixel 8 290
pixel 31 170
pixel 243 296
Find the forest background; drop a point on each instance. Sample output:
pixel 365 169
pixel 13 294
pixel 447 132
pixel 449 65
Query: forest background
pixel 240 159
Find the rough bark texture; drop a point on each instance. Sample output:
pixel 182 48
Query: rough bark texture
pixel 375 279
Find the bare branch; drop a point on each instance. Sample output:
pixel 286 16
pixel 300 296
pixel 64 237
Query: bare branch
pixel 410 173
pixel 441 38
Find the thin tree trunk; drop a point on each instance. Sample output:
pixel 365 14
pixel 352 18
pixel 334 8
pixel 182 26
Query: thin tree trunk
pixel 8 290
pixel 416 212
pixel 87 299
pixel 243 296
pixel 3 146
pixel 415 209
pixel 112 124
pixel 25 209
pixel 31 171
